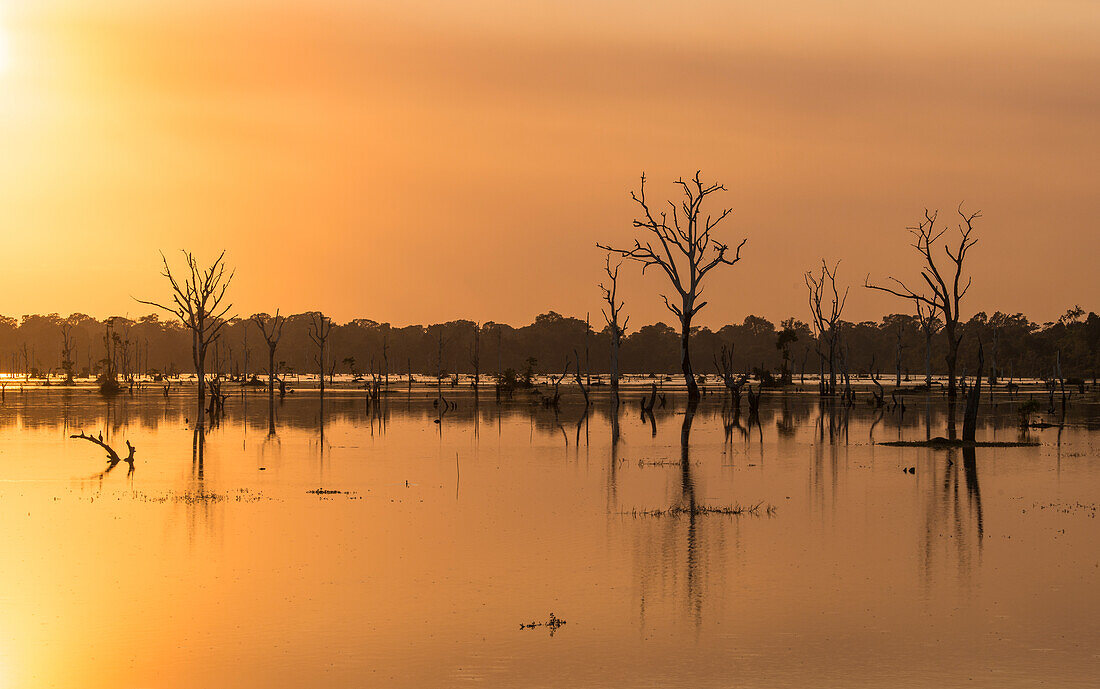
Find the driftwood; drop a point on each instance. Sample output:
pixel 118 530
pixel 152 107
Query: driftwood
pixel 552 402
pixel 113 457
pixel 939 443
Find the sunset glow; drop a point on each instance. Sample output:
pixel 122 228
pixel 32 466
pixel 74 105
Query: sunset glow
pixel 549 344
pixel 414 140
pixel 5 48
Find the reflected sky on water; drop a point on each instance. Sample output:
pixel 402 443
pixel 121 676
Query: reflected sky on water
pixel 434 537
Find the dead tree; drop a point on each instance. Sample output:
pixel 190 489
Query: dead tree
pixel 439 372
pixel 320 326
pixel 580 378
pixel 272 330
pixel 946 285
pixel 611 314
pixel 475 355
pixel 973 397
pixel 754 403
pixel 929 325
pixel 825 318
pixel 878 394
pixel 685 251
pixel 552 402
pixel 67 363
pixel 197 300
pixel 733 383
pixel 113 457
pixel 386 354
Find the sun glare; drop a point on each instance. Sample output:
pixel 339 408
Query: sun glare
pixel 5 51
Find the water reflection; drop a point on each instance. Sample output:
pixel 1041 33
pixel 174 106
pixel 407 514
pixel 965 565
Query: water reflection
pixel 469 529
pixel 954 524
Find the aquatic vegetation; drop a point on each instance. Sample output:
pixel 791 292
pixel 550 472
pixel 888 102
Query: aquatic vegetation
pixel 553 623
pixel 736 510
pixel 193 497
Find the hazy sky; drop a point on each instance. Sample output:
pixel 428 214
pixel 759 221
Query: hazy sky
pixel 421 161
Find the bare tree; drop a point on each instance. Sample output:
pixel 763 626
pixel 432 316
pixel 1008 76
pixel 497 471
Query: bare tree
pixel 272 330
pixel 825 318
pixel 581 382
pixel 929 325
pixel 730 379
pixel 475 355
pixel 946 285
pixel 611 315
pixel 320 327
pixel 108 378
pixel 685 251
pixel 198 301
pixel 67 363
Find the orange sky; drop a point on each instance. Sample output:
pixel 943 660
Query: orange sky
pixel 421 161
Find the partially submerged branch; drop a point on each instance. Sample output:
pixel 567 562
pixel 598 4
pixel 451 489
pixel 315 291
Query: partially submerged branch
pixel 113 457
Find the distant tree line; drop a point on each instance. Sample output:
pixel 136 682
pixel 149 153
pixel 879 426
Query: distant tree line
pixel 38 346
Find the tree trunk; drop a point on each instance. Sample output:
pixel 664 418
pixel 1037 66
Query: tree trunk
pixel 685 359
pixel 832 366
pixel 614 362
pixel 271 374
pixel 897 367
pixel 993 365
pixel 200 372
pixel 973 397
pixel 928 358
pixel 952 360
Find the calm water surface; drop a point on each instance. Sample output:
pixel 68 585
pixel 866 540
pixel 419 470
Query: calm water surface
pixel 222 570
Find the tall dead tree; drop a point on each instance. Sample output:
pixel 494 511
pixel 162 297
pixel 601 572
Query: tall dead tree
pixel 198 301
pixel 475 355
pixel 825 316
pixel 272 330
pixel 320 326
pixel 685 251
pixel 973 399
pixel 611 314
pixel 944 282
pixel 67 363
pixel 730 379
pixel 929 325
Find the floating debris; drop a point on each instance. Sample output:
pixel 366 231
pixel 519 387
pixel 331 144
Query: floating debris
pixel 323 491
pixel 736 510
pixel 662 463
pixel 552 624
pixel 945 443
pixel 202 496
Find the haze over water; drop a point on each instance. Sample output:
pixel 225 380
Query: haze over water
pixel 444 538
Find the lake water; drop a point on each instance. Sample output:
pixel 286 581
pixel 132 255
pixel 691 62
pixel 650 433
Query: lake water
pixel 445 538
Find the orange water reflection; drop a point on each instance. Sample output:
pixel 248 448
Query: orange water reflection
pixel 219 568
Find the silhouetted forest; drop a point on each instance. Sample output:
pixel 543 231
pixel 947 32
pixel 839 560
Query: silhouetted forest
pixel 35 346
